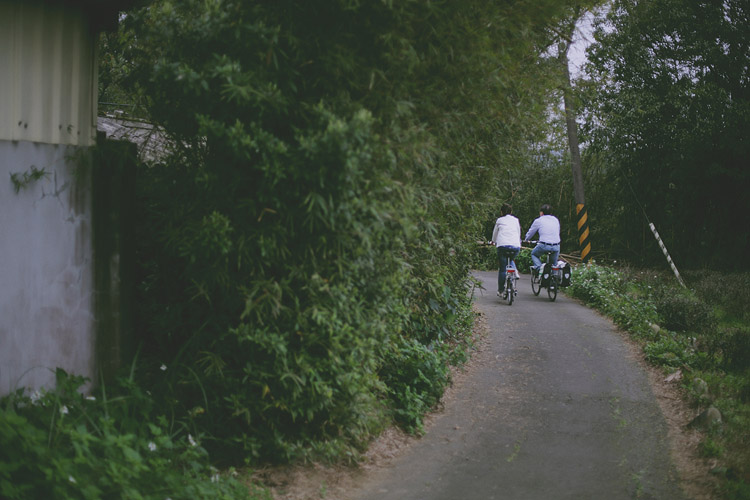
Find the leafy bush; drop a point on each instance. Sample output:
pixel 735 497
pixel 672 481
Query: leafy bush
pixel 523 260
pixel 728 292
pixel 668 351
pixel 596 285
pixel 733 343
pixel 416 376
pixel 60 444
pixel 681 312
pixel 485 259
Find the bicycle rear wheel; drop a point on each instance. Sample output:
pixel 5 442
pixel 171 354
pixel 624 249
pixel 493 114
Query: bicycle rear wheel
pixel 552 289
pixel 510 290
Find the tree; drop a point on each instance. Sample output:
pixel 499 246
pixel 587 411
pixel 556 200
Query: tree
pixel 670 116
pixel 572 129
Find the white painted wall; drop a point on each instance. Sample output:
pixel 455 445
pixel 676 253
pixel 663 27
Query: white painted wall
pixel 46 267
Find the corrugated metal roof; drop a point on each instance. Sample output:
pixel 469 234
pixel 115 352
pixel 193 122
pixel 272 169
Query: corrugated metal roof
pixel 151 142
pixel 48 74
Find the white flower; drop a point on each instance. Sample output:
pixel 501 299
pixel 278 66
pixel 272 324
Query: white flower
pixel 152 446
pixel 72 479
pixel 91 398
pixel 215 478
pixel 191 440
pixel 35 397
pixel 163 367
pixel 64 410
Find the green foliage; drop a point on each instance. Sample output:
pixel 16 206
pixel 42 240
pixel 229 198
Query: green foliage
pixel 304 247
pixel 731 344
pixel 20 181
pixel 669 350
pixel 666 103
pixel 684 312
pixel 597 285
pixel 711 350
pixel 730 293
pixel 60 444
pixel 523 260
pixel 710 448
pixel 485 258
pixel 416 376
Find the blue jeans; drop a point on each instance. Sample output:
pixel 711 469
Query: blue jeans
pixel 540 249
pixel 503 254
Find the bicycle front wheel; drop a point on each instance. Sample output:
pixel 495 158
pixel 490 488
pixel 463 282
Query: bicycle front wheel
pixel 536 283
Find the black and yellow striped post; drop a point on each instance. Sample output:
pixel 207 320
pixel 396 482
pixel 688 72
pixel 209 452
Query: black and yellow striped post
pixel 583 232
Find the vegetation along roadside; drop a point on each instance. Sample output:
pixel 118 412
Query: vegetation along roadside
pixel 700 338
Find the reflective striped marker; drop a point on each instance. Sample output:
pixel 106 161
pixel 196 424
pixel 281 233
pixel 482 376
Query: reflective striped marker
pixel 666 254
pixel 583 232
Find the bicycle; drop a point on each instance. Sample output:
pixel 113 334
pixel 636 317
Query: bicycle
pixel 553 280
pixel 511 276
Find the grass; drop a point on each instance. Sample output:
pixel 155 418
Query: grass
pixel 703 331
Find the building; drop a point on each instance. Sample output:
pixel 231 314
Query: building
pixel 63 221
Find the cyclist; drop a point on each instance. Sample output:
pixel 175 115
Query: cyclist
pixel 548 228
pixel 507 238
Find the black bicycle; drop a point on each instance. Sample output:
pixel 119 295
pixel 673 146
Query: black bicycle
pixel 550 277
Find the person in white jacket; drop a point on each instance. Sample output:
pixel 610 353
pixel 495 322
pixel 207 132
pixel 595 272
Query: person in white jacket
pixel 507 238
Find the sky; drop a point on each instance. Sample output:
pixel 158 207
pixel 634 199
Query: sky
pixel 582 38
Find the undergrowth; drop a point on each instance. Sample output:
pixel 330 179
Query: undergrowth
pixel 61 444
pixel 702 331
pixel 126 440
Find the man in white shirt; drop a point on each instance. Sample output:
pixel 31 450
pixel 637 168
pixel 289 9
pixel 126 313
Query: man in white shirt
pixel 507 238
pixel 548 228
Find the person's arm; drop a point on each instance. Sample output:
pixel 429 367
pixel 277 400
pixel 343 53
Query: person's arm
pixel 518 232
pixel 494 234
pixel 532 230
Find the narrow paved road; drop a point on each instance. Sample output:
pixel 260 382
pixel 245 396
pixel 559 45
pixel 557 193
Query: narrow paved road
pixel 554 408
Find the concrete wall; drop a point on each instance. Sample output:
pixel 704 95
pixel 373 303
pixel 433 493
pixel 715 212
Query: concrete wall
pixel 46 267
pixel 66 262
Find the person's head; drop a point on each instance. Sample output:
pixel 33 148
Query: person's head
pixel 506 209
pixel 546 209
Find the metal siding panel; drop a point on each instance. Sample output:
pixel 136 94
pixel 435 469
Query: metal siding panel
pixel 7 50
pixel 49 93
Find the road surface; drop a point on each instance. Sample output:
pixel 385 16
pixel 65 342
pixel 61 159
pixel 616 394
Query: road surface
pixel 555 407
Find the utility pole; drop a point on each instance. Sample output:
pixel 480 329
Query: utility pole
pixel 575 155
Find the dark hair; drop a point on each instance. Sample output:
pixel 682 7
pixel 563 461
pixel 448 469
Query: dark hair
pixel 506 209
pixel 546 209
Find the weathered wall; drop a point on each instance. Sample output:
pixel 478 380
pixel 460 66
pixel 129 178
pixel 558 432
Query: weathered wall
pixel 66 262
pixel 46 267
